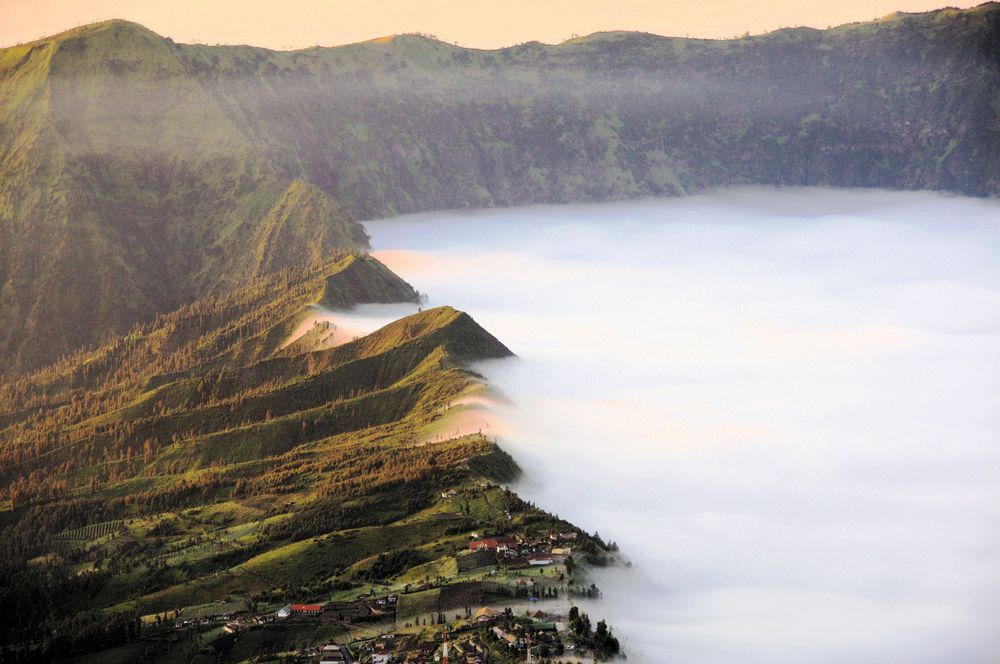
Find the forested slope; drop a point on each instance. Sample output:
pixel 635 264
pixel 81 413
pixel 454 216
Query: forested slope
pixel 198 457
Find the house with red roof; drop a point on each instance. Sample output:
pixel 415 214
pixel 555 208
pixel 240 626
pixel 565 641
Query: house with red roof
pixel 307 609
pixel 493 544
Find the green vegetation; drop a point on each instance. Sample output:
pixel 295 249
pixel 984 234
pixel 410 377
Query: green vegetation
pixel 600 639
pixel 418 603
pixel 169 213
pixel 196 458
pixel 392 563
pixel 138 175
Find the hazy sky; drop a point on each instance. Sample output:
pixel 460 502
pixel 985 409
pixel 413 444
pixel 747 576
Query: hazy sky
pixel 477 23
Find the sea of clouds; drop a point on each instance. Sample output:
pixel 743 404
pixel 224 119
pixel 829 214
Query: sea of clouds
pixel 784 405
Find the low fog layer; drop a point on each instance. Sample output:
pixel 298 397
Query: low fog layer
pixel 781 404
pixel 344 327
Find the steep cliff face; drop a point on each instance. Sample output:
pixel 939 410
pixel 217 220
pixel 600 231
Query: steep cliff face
pixel 137 174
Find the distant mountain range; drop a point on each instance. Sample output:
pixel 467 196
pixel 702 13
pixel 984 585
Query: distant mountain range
pixel 137 174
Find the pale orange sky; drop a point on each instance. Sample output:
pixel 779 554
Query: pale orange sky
pixel 477 23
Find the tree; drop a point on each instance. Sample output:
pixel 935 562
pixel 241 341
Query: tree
pixel 605 644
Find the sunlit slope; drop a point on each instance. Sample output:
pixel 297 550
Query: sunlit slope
pixel 202 422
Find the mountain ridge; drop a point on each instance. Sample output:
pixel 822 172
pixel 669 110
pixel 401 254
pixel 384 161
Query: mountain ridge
pixel 199 457
pixel 137 174
pixel 887 18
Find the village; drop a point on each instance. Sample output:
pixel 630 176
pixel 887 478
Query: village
pixel 511 600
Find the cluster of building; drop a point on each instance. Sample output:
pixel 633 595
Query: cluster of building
pixel 474 641
pixel 478 638
pixel 360 610
pixel 515 552
pixel 290 610
pixel 333 653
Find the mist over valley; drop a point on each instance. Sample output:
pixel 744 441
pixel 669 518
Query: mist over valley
pixel 779 403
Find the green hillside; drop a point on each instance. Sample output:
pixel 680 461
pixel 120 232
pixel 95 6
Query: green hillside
pixel 137 174
pixel 125 191
pixel 198 459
